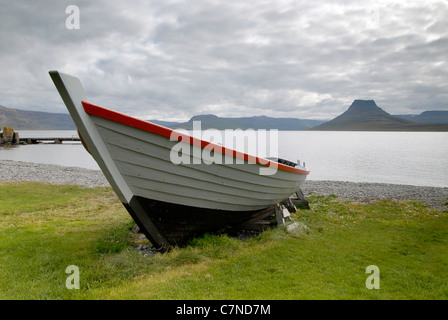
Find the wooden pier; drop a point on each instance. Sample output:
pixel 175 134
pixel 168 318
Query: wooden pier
pixel 11 137
pixel 48 140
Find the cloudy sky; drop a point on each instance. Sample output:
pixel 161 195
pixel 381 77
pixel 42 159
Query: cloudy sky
pixel 170 59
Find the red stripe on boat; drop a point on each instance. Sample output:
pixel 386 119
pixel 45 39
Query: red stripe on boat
pixel 122 118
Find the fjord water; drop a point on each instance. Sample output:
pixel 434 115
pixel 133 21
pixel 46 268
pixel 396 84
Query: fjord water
pixel 412 158
pixel 70 154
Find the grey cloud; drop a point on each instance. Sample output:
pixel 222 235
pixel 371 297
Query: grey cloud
pixel 175 59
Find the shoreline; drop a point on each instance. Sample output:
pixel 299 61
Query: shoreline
pixel 353 191
pixel 436 197
pixel 11 170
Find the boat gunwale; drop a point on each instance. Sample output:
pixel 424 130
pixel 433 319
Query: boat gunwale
pixel 148 126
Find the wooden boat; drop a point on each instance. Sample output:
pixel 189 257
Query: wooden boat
pixel 171 202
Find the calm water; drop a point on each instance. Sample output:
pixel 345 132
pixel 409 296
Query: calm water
pixel 415 158
pixel 66 154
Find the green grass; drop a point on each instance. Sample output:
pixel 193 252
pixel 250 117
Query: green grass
pixel 44 228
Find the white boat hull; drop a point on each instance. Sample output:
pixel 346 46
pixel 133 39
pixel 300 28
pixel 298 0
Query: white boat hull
pixel 173 202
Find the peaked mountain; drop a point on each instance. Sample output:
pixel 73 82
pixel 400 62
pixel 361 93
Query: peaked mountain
pixel 365 115
pixel 35 120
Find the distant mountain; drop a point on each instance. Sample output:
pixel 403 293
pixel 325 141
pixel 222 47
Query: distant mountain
pixel 257 122
pixel 427 117
pixel 365 115
pixel 169 124
pixel 362 115
pixel 34 120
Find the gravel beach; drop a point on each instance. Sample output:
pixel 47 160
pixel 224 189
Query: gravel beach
pixel 354 191
pixel 366 192
pixel 27 171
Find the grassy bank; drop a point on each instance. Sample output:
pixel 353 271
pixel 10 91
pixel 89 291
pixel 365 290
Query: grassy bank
pixel 45 228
